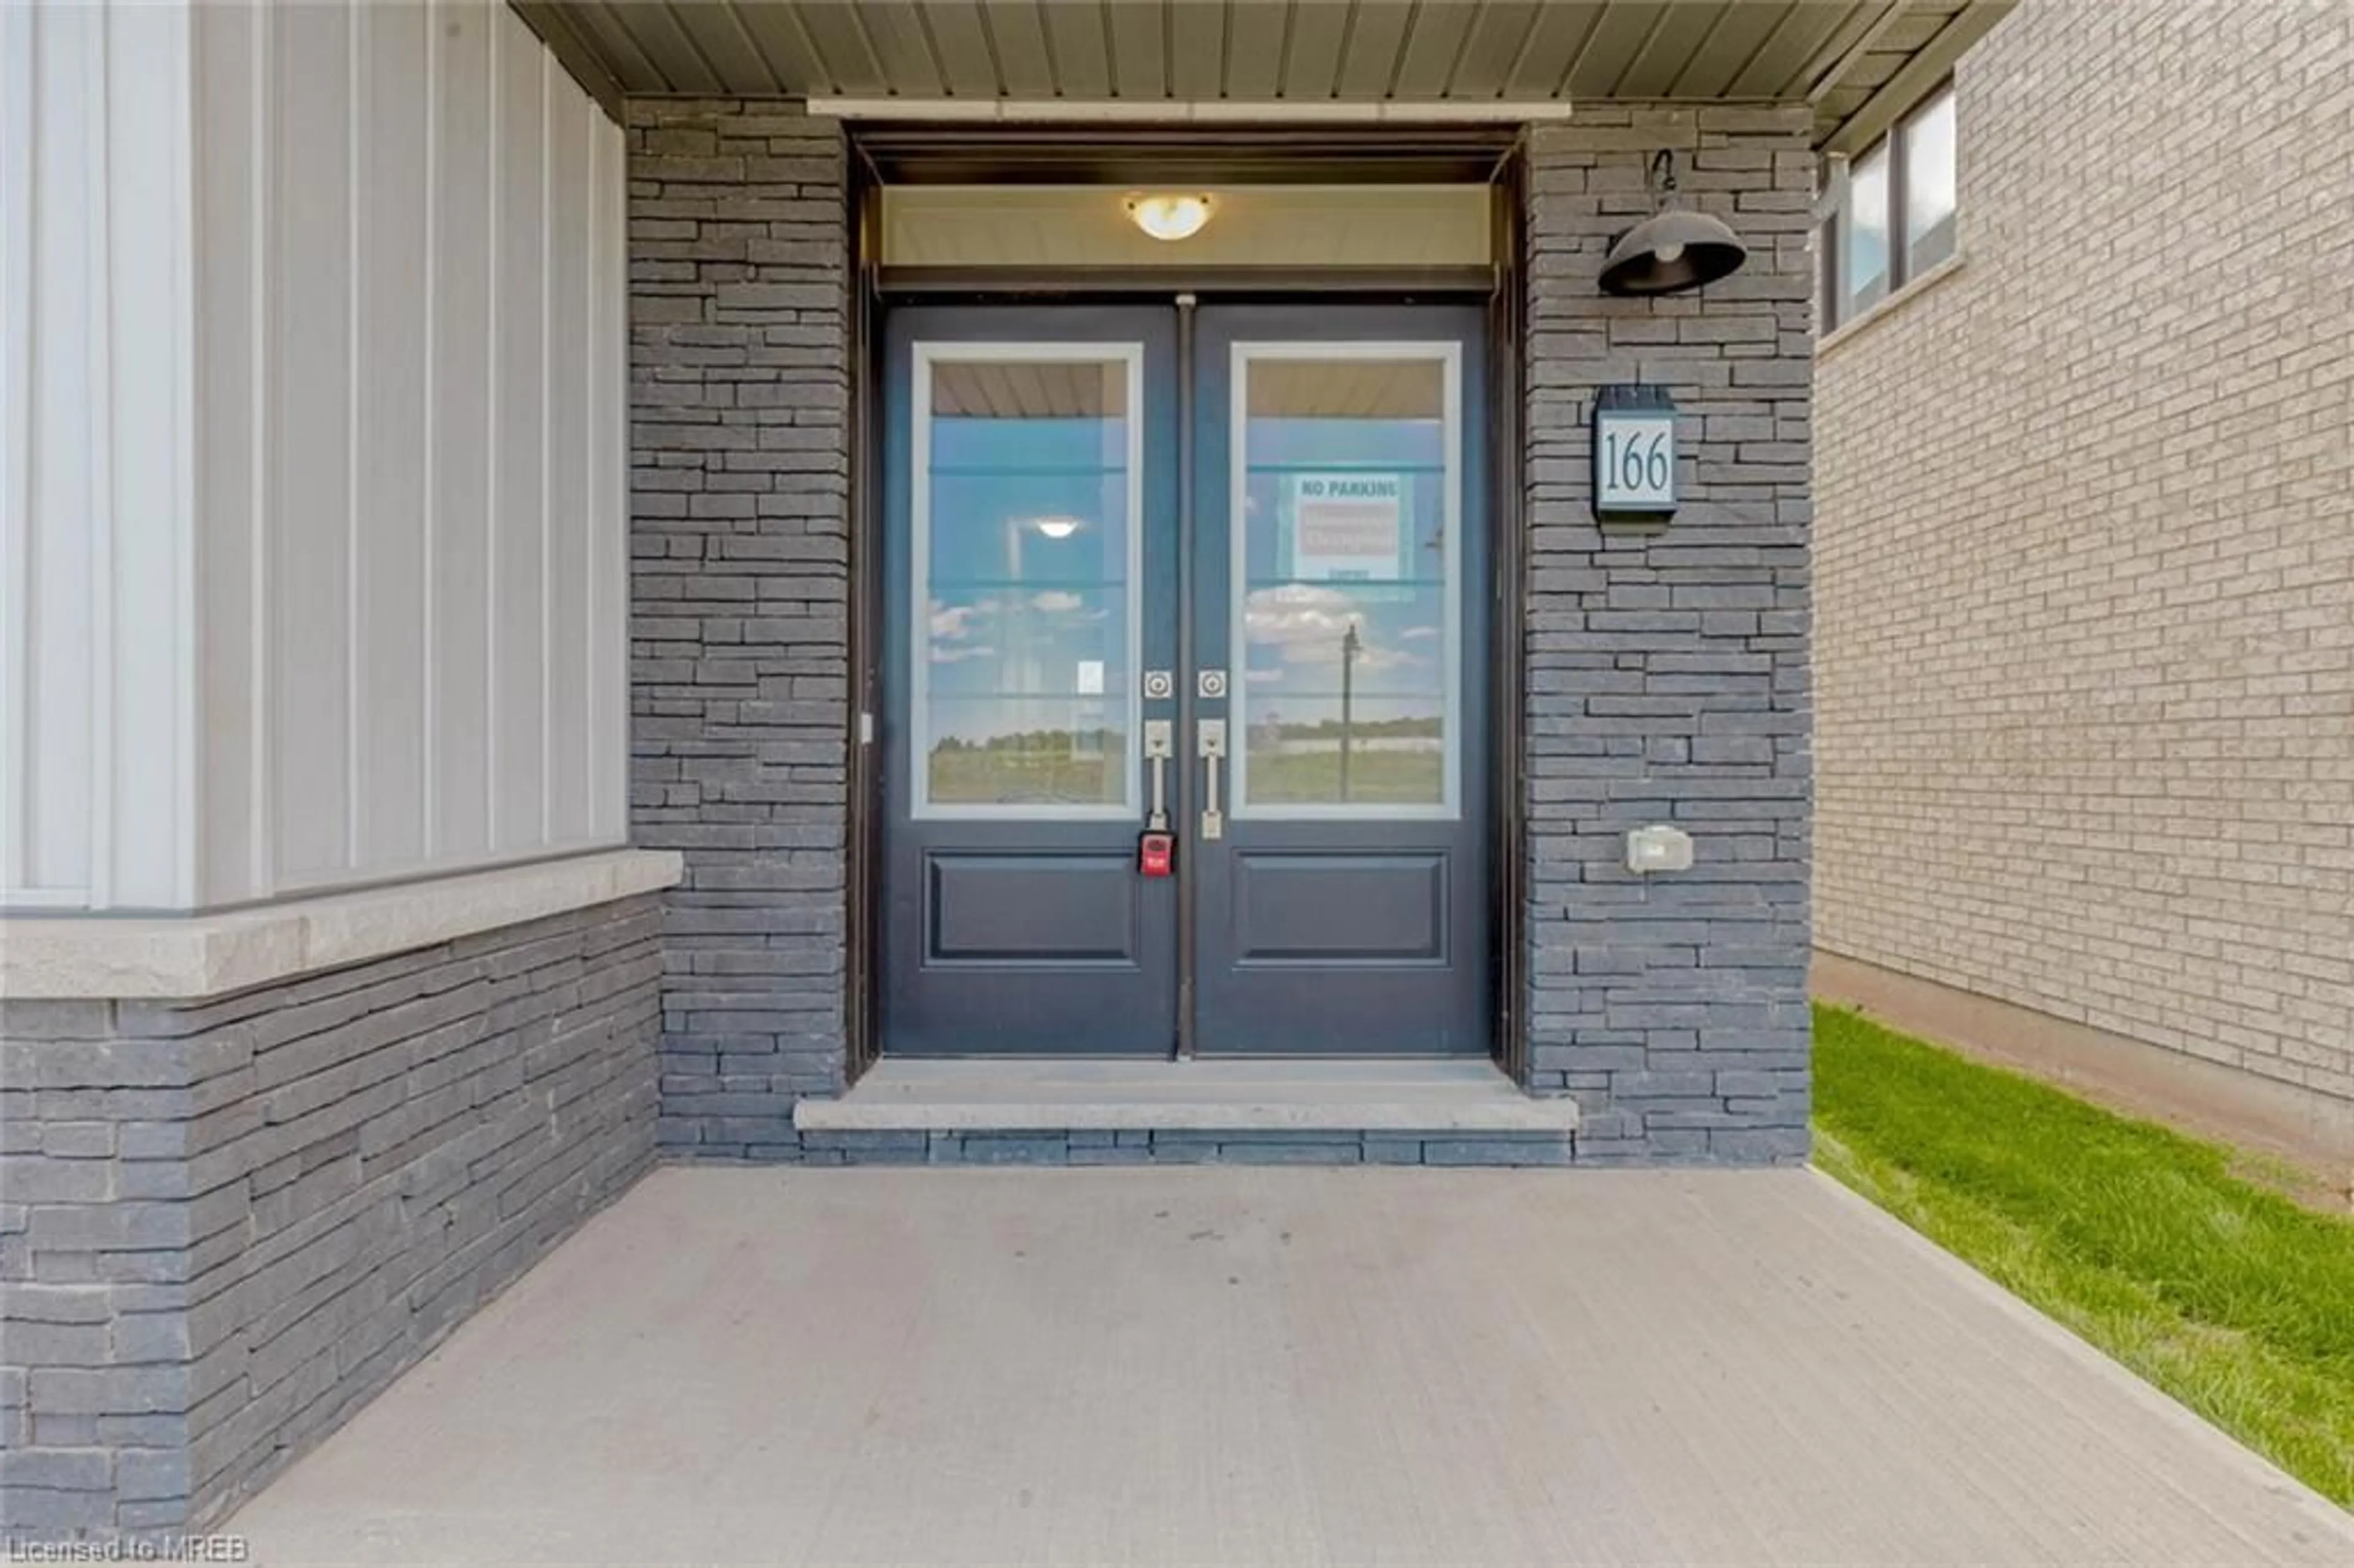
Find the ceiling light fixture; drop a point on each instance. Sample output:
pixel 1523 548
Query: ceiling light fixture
pixel 1169 216
pixel 1055 527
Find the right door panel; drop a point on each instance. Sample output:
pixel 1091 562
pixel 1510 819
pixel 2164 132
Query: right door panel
pixel 1339 620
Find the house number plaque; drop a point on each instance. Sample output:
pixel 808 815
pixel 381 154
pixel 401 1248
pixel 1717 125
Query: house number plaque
pixel 1634 454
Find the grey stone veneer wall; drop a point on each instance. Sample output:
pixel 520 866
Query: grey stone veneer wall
pixel 1668 667
pixel 740 628
pixel 224 1227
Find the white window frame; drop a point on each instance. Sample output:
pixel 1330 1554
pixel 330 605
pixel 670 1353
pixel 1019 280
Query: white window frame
pixel 1448 354
pixel 931 353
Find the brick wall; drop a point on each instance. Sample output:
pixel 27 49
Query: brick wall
pixel 224 1226
pixel 740 635
pixel 2086 617
pixel 1668 678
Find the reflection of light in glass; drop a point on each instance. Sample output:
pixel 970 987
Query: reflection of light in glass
pixel 1055 527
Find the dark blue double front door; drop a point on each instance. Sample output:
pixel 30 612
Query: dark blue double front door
pixel 1267 643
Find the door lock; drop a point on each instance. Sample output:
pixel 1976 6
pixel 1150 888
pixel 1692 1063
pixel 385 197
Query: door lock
pixel 1212 744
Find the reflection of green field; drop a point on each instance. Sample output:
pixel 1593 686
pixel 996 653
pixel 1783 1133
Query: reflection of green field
pixel 1313 778
pixel 1006 776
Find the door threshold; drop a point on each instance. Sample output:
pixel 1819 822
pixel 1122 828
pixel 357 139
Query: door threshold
pixel 1459 1097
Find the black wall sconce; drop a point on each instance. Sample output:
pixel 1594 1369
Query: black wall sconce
pixel 1674 249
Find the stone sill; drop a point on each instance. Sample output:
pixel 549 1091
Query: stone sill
pixel 192 957
pixel 1881 309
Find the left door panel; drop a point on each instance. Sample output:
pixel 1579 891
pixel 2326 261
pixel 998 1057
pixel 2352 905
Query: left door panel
pixel 1030 498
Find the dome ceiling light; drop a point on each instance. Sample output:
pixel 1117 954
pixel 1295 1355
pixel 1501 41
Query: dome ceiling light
pixel 1169 216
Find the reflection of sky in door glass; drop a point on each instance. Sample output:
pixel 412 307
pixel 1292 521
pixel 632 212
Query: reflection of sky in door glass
pixel 1025 627
pixel 1346 686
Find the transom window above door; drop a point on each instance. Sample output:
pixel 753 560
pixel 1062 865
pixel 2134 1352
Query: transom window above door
pixel 1034 228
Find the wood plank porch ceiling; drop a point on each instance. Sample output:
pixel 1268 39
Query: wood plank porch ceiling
pixel 1858 62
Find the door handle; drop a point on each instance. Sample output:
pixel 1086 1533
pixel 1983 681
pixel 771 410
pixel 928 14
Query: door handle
pixel 1160 744
pixel 1212 737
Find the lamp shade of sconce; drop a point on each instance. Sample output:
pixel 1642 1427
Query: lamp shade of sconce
pixel 1674 248
pixel 1169 216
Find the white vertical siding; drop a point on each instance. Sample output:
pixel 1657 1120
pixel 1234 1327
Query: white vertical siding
pixel 393 749
pixel 96 512
pixel 518 436
pixel 313 568
pixel 607 669
pixel 309 420
pixel 233 192
pixel 436 419
pixel 458 811
pixel 566 765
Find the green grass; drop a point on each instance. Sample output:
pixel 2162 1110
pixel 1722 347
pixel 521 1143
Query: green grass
pixel 2230 1298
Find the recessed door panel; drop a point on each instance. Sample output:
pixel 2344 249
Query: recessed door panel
pixel 1328 909
pixel 1044 909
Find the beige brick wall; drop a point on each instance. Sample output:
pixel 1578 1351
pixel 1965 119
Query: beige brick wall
pixel 2084 546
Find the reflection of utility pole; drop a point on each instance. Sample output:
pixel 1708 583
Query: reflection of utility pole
pixel 1015 719
pixel 1017 619
pixel 1351 646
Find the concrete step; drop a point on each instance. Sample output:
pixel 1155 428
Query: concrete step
pixel 1102 1112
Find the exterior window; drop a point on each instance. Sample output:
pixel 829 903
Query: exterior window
pixel 1892 219
pixel 1928 142
pixel 1863 274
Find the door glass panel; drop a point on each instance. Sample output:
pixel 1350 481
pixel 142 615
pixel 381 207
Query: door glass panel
pixel 1026 552
pixel 1346 606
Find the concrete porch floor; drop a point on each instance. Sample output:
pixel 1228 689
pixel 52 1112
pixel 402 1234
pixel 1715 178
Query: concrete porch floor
pixel 1246 1365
